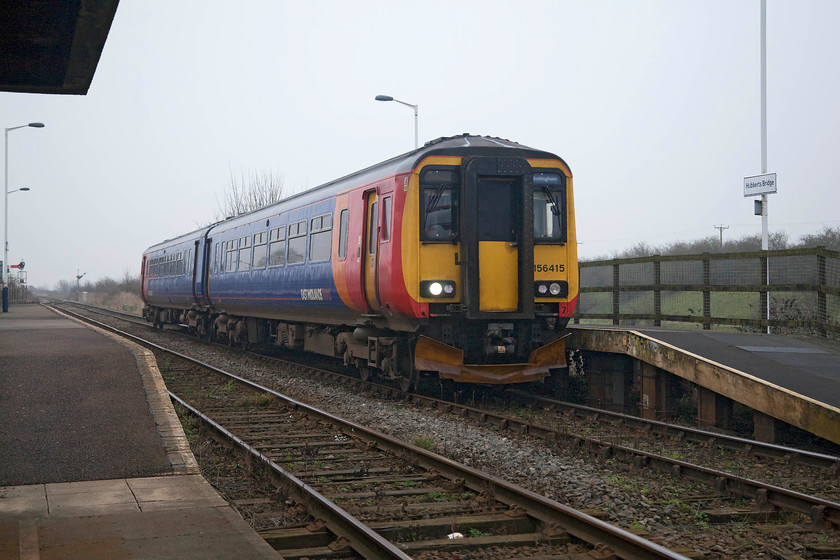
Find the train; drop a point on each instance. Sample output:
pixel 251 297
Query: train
pixel 457 260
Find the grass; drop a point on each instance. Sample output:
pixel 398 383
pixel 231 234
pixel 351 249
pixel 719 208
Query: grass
pixel 477 533
pixel 423 442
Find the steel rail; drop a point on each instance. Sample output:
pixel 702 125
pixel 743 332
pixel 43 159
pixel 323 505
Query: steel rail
pixel 364 540
pixel 624 544
pixel 733 443
pixel 820 511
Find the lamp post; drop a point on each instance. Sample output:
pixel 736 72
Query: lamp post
pixel 389 98
pixel 6 218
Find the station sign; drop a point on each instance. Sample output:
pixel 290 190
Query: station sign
pixel 760 184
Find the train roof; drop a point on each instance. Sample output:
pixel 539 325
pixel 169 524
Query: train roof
pixel 404 163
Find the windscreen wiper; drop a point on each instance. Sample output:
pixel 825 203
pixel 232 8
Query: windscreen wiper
pixel 550 196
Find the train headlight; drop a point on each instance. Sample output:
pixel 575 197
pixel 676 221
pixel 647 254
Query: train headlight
pixel 551 289
pixel 437 288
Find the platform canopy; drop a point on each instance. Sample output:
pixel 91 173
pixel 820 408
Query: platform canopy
pixel 52 46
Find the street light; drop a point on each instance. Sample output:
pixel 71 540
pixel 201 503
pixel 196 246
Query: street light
pixel 389 98
pixel 6 218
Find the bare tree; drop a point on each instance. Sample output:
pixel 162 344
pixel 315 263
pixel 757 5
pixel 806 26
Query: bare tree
pixel 257 190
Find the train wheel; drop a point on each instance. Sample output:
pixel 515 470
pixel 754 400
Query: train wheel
pixel 407 382
pixel 364 373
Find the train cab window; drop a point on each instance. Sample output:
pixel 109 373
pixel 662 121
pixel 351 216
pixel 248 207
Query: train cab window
pixel 216 260
pixel 343 229
pixel 320 238
pixel 549 196
pixel 259 250
pixel 277 246
pixel 297 242
pixel 385 233
pixel 439 204
pixel 373 221
pixel 231 254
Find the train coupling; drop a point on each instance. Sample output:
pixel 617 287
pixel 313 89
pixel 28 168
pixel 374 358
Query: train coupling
pixel 499 339
pixel 448 361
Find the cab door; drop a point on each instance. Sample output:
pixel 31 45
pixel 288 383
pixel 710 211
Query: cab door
pixel 370 251
pixel 497 238
pixel 498 216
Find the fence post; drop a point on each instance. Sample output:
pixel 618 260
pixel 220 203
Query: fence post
pixel 765 293
pixel 707 294
pixel 822 307
pixel 657 292
pixel 616 296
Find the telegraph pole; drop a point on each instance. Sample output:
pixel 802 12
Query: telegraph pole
pixel 721 228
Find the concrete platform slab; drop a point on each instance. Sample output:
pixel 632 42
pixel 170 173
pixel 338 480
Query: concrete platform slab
pixel 165 517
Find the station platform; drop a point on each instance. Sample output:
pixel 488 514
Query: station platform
pixel 807 366
pixel 93 460
pixel 792 379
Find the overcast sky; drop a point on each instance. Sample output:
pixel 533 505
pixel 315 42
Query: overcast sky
pixel 655 105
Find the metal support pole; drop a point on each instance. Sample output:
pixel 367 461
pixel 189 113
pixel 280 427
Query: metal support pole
pixel 3 275
pixel 765 233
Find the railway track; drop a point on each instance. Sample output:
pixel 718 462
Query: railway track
pixel 413 502
pixel 611 442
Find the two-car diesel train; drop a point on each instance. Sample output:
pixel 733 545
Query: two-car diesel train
pixel 457 258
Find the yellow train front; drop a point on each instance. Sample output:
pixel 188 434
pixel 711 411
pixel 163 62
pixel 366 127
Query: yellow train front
pixel 489 260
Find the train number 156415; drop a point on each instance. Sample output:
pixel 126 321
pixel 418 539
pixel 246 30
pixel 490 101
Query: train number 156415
pixel 549 268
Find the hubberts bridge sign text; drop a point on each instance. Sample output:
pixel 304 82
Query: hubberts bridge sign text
pixel 760 184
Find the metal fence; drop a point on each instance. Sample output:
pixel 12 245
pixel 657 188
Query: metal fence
pixel 795 291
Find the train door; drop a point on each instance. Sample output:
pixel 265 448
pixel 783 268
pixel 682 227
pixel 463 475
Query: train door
pixel 197 274
pixel 370 251
pixel 498 216
pixel 201 269
pixel 497 235
pixel 143 279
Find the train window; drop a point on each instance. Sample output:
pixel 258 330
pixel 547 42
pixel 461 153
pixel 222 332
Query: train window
pixel 277 246
pixel 549 195
pixel 320 238
pixel 297 242
pixel 245 253
pixel 259 249
pixel 439 203
pixel 216 260
pixel 230 258
pixel 343 228
pixel 385 233
pixel 373 220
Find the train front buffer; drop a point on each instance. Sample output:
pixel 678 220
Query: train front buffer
pixel 496 267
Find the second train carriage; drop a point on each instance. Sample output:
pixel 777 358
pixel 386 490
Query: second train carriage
pixel 458 258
